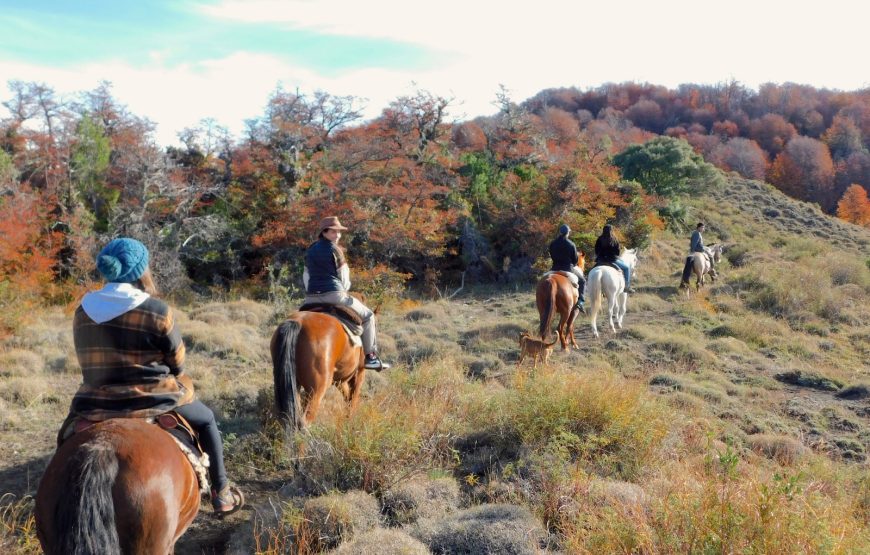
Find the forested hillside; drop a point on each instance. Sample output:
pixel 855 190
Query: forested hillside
pixel 427 198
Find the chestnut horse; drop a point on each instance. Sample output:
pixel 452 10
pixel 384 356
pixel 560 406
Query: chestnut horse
pixel 311 351
pixel 556 293
pixel 120 486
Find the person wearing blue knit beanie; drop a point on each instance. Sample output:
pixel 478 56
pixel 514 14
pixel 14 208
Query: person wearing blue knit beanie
pixel 123 260
pixel 132 358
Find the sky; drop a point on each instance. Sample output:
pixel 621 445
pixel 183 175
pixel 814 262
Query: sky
pixel 178 62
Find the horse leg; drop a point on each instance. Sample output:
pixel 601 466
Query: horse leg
pixel 621 307
pixel 572 315
pixel 563 332
pixel 354 389
pixel 611 308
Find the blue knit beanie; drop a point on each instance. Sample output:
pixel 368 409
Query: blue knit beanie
pixel 123 260
pixel 564 229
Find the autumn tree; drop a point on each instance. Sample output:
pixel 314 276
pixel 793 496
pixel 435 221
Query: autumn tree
pixel 805 170
pixel 843 138
pixel 772 132
pixel 855 206
pixel 740 155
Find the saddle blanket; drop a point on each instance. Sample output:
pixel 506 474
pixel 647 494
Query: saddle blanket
pixel 349 320
pixel 575 281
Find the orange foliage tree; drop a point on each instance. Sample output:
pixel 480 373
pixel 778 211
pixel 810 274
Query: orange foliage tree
pixel 805 170
pixel 855 206
pixel 28 252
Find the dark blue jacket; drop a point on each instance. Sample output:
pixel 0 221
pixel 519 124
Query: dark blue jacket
pixel 564 254
pixel 323 259
pixel 697 244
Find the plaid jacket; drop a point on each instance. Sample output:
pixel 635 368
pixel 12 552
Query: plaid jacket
pixel 131 365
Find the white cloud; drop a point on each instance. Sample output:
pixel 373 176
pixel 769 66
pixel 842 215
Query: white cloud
pixel 527 47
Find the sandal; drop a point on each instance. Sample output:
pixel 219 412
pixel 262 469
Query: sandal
pixel 231 497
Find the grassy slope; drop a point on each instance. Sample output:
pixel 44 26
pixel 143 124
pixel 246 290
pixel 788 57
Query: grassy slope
pixel 689 430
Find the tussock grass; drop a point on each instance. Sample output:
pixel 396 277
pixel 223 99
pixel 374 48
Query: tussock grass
pixel 226 340
pixel 17 526
pixel 330 519
pixel 508 529
pixel 243 311
pixel 726 505
pixel 383 542
pixel 783 449
pixel 604 421
pixel 20 362
pixel 403 428
pixel 420 498
pixel 24 392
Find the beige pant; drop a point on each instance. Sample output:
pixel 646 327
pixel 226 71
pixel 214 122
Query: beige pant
pixel 369 339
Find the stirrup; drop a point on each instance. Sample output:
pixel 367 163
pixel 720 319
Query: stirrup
pixel 219 499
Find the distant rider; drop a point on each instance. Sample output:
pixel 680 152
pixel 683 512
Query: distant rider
pixel 564 254
pixel 696 244
pixel 607 251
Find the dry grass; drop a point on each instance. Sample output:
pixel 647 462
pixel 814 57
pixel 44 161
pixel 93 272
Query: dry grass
pixel 17 526
pixel 383 542
pixel 671 436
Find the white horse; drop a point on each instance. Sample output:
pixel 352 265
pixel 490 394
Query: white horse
pixel 610 281
pixel 701 266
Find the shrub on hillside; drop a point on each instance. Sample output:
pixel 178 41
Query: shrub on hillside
pixel 382 542
pixel 419 498
pixel 484 530
pixel 331 519
pixel 783 449
pixel 407 423
pixel 605 422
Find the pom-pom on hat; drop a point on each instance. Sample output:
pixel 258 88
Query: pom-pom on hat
pixel 123 260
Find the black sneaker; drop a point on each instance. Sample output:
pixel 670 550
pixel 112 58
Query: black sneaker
pixel 580 307
pixel 375 363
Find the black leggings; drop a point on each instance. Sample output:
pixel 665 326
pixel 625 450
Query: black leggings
pixel 202 419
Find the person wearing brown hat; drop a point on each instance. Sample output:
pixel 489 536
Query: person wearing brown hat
pixel 327 280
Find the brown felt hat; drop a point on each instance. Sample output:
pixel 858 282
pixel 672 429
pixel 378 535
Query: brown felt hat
pixel 331 222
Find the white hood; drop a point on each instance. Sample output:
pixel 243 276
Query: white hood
pixel 112 300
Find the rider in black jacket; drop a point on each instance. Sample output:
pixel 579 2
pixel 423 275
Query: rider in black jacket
pixel 607 251
pixel 563 252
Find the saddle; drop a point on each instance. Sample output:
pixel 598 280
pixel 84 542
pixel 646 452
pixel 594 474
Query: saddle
pixel 172 422
pixel 572 277
pixel 611 264
pixel 349 319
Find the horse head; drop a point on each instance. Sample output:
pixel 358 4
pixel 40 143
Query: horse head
pixel 716 250
pixel 629 256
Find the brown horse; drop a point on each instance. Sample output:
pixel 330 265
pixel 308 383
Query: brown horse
pixel 120 486
pixel 556 293
pixel 311 351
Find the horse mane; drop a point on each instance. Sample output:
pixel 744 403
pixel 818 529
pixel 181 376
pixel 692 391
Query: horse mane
pixel 85 515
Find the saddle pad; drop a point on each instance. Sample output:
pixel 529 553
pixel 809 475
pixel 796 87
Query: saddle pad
pixel 611 264
pixel 348 318
pixel 575 281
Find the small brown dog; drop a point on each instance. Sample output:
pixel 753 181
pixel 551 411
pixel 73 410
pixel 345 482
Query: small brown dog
pixel 537 348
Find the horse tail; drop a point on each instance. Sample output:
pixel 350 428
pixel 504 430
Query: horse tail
pixel 284 370
pixel 687 270
pixel 547 319
pixel 85 513
pixel 593 289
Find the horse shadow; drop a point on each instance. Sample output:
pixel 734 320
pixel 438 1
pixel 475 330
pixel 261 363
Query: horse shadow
pixel 665 292
pixel 23 479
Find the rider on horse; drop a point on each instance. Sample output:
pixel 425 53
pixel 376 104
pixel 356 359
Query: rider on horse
pixel 697 245
pixel 132 356
pixel 327 281
pixel 607 251
pixel 563 252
